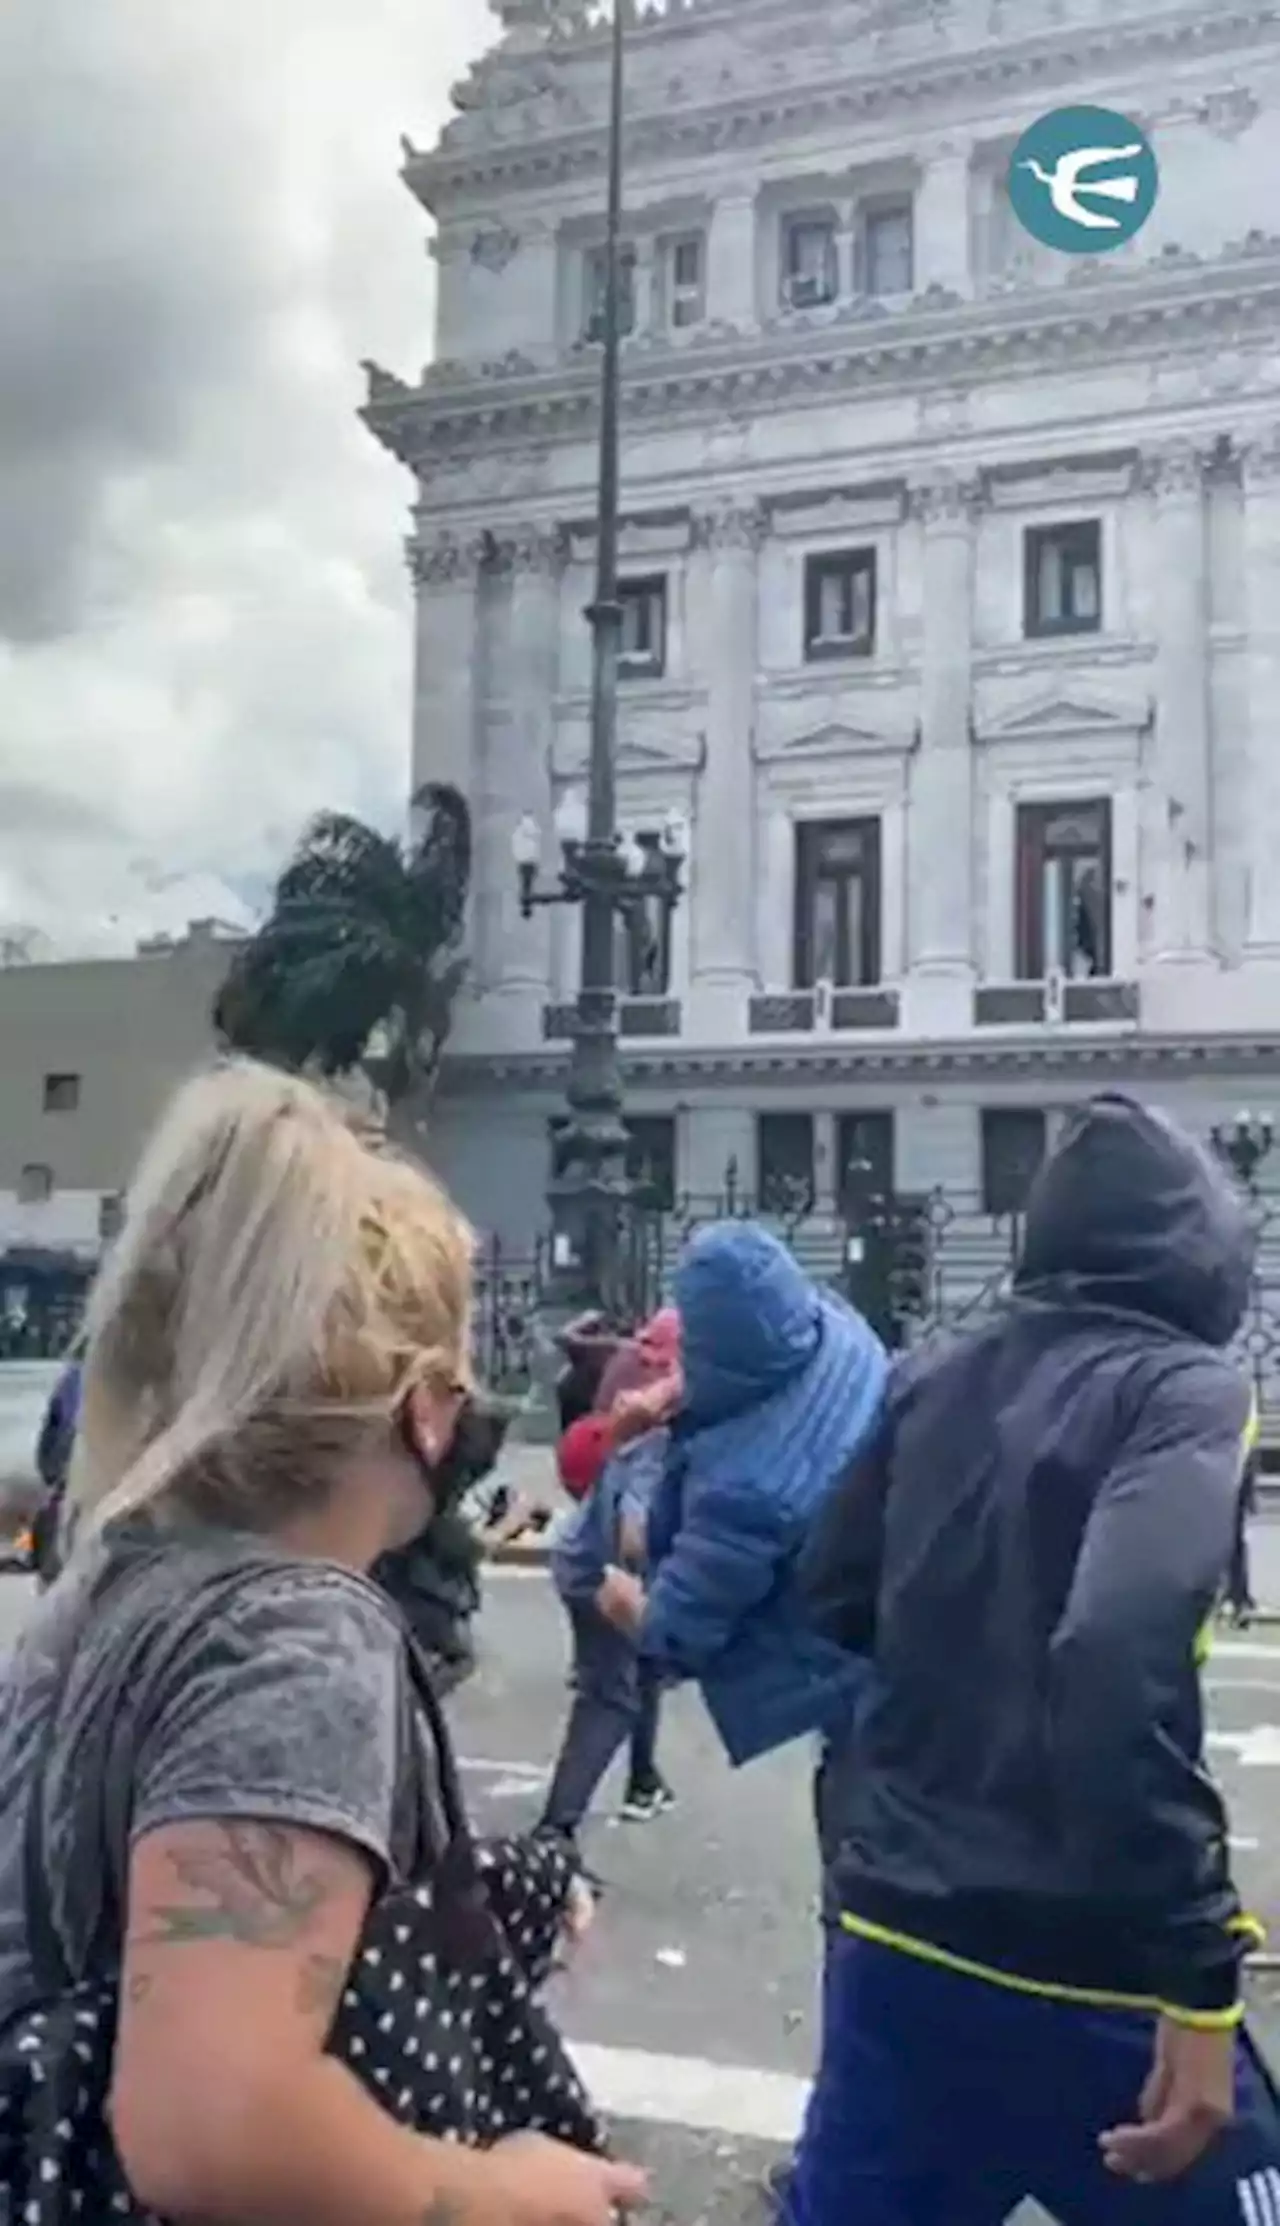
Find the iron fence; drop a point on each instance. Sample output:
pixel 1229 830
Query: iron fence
pixel 914 1263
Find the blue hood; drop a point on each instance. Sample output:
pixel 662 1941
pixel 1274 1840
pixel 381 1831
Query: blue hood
pixel 1132 1212
pixel 750 1321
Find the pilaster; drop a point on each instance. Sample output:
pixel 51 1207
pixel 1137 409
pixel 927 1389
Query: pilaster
pixel 731 261
pixel 1175 477
pixel 943 221
pixel 1260 489
pixel 445 570
pixel 516 954
pixel 723 879
pixel 941 802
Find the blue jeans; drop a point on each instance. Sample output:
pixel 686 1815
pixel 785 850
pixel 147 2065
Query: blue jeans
pixel 944 2101
pixel 615 1701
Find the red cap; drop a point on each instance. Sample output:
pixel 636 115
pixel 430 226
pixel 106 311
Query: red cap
pixel 583 1452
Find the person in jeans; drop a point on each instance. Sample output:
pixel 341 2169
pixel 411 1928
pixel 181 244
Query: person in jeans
pixel 1036 1990
pixel 616 1702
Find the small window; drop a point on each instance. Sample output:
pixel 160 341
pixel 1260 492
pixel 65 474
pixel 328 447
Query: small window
pixel 887 242
pixel 61 1093
pixel 1063 896
pixel 651 1159
pixel 840 605
pixel 810 263
pixel 1063 583
pixel 642 650
pixel 594 272
pixel 785 1162
pixel 687 281
pixel 837 919
pixel 35 1185
pixel 110 1215
pixel 1014 1144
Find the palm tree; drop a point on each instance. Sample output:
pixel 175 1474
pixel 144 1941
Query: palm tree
pixel 360 960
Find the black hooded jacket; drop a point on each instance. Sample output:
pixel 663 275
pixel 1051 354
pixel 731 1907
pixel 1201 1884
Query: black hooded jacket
pixel 1030 1555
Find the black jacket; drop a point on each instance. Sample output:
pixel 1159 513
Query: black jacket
pixel 435 1583
pixel 1031 1553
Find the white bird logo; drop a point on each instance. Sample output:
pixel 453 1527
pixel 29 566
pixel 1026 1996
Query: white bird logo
pixel 1066 183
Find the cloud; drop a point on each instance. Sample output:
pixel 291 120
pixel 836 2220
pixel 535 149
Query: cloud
pixel 204 621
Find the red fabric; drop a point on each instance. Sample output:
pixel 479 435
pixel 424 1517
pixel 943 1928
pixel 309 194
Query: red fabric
pixel 582 1454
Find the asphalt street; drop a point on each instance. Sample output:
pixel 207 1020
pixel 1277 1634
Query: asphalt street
pixel 692 2004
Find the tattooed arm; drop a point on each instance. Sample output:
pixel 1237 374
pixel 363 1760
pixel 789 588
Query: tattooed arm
pixel 224 2106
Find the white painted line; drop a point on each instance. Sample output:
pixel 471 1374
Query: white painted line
pixel 1243 1650
pixel 1240 1846
pixel 1258 1748
pixel 529 1773
pixel 737 2100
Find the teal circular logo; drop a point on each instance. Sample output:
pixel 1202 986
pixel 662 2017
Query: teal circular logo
pixel 1083 180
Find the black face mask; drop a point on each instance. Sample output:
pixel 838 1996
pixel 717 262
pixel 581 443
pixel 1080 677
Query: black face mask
pixel 472 1453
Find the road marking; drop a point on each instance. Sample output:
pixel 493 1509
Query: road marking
pixel 1243 1650
pixel 1258 1748
pixel 737 2100
pixel 530 1773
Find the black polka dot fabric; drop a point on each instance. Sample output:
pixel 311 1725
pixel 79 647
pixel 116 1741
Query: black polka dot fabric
pixel 440 2020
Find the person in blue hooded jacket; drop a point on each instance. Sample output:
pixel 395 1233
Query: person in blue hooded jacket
pixel 782 1384
pixel 1037 1988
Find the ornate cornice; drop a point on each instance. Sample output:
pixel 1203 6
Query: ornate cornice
pixel 1258 452
pixel 1038 1055
pixel 734 526
pixel 1177 470
pixel 532 548
pixel 1146 311
pixel 537 133
pixel 445 559
pixel 944 499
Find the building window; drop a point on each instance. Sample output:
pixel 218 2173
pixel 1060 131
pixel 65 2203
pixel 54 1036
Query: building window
pixel 865 1155
pixel 785 1176
pixel 1015 1140
pixel 110 1215
pixel 840 604
pixel 810 264
pixel 837 921
pixel 887 249
pixel 687 281
pixel 642 649
pixel 651 1159
pixel 61 1093
pixel 594 270
pixel 35 1184
pixel 1063 908
pixel 1063 578
pixel 643 962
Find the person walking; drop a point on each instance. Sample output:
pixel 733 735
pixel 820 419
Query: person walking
pixel 252 1965
pixel 617 1698
pixel 53 1461
pixel 1036 1988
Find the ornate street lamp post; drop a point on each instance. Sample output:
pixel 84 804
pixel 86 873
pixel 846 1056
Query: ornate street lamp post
pixel 605 877
pixel 1243 1145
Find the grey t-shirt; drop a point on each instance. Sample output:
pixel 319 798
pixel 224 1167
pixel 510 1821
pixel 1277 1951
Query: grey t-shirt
pixel 287 1701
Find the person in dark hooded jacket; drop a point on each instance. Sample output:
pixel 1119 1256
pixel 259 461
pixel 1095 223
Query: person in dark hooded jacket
pixel 1036 1992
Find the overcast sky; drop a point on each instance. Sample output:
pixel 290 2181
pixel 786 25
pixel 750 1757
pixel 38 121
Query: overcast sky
pixel 204 622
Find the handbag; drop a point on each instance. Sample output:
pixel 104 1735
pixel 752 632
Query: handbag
pixel 440 2018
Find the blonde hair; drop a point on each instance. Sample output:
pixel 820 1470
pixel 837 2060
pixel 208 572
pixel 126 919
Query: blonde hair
pixel 280 1284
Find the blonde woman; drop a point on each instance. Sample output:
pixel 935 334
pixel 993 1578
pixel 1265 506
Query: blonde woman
pixel 210 1730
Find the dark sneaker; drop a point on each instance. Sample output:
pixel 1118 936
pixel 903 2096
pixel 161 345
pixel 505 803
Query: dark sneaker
pixel 643 1802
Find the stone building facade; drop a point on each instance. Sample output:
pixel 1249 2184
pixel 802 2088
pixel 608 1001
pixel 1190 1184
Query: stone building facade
pixel 951 572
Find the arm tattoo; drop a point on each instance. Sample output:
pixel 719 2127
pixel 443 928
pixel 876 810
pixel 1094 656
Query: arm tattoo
pixel 320 1984
pixel 250 1884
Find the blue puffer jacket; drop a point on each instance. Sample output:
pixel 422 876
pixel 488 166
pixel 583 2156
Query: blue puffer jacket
pixel 783 1384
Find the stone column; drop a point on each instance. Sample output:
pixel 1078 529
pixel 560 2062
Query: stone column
pixel 723 873
pixel 940 810
pixel 518 958
pixel 942 221
pixel 445 569
pixel 731 262
pixel 1260 483
pixel 1183 926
